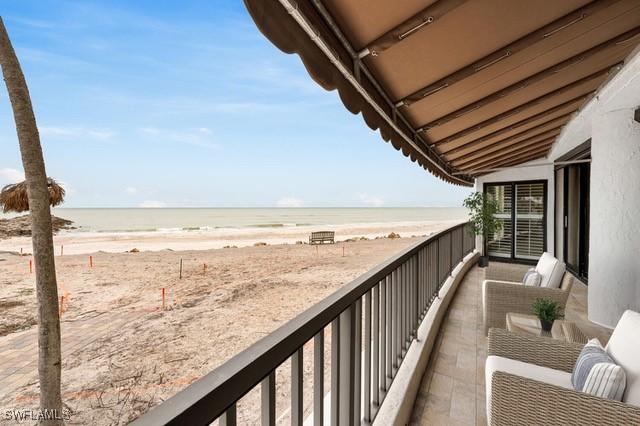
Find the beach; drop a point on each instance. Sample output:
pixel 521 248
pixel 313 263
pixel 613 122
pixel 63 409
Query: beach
pixel 136 329
pixel 120 230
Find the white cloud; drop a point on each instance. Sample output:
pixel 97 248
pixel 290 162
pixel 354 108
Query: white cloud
pixel 201 136
pixel 152 204
pixel 130 190
pixel 9 175
pixel 290 202
pixel 370 200
pixel 76 133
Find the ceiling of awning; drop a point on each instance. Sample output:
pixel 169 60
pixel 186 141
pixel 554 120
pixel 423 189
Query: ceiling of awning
pixel 461 87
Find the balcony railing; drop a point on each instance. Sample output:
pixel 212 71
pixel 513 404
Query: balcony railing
pixel 373 321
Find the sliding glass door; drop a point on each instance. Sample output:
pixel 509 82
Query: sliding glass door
pixel 499 243
pixel 522 212
pixel 576 219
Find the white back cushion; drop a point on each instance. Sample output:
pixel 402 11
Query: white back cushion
pixel 551 270
pixel 624 349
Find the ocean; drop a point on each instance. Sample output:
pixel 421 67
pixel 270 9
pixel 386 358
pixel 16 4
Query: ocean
pixel 199 219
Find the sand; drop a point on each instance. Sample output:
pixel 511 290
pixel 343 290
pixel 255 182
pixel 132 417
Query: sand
pixel 114 242
pixel 123 354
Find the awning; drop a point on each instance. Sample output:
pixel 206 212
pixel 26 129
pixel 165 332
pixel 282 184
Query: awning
pixel 461 87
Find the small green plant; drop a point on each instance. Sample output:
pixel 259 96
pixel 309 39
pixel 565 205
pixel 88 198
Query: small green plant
pixel 482 213
pixel 547 311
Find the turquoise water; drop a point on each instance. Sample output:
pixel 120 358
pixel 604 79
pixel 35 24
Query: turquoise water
pixel 186 219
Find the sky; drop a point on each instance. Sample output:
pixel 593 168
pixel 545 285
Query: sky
pixel 186 104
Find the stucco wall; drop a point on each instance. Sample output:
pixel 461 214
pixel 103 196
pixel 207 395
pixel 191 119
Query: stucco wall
pixel 614 255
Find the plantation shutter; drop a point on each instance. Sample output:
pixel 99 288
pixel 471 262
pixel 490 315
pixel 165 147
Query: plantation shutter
pixel 529 220
pixel 499 242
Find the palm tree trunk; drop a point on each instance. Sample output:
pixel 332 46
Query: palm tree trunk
pixel 42 235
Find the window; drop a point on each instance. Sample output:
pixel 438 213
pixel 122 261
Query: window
pixel 522 211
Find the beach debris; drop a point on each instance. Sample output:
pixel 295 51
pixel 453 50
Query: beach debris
pixel 393 236
pixel 300 242
pixel 229 247
pixel 134 250
pixel 21 226
pixel 259 244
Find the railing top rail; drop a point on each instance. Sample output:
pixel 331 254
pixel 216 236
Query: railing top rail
pixel 206 399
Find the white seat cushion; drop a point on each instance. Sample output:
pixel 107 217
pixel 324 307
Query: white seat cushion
pixel 522 369
pixel 551 270
pixel 623 348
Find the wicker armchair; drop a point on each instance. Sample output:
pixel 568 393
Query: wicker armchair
pixel 501 297
pixel 517 400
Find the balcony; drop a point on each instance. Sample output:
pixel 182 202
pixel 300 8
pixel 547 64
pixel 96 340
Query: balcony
pixel 409 344
pixel 366 341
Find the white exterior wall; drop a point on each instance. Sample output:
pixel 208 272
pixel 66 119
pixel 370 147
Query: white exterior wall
pixel 614 249
pixel 614 253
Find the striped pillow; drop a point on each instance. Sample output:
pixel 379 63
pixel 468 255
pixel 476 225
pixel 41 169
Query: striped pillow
pixel 595 373
pixel 532 278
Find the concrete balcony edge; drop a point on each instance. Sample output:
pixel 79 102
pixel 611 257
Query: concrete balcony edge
pixel 398 404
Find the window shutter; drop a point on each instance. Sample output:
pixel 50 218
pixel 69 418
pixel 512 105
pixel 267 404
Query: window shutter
pixel 529 220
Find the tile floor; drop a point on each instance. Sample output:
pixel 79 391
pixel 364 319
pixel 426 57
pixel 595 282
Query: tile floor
pixel 452 391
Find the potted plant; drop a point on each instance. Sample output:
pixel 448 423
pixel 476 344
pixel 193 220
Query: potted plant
pixel 482 210
pixel 547 312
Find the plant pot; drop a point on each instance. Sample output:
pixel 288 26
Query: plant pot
pixel 483 262
pixel 546 325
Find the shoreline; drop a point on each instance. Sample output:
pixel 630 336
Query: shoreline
pixel 85 242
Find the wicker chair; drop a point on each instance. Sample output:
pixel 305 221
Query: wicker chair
pixel 501 297
pixel 516 400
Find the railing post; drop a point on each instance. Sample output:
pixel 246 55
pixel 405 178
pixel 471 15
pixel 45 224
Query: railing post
pixel 335 371
pixel 450 252
pixel 229 417
pixel 438 266
pixel 367 356
pixel 357 362
pixel 297 374
pixel 318 379
pixel 416 274
pixel 375 357
pixel 347 363
pixel 268 397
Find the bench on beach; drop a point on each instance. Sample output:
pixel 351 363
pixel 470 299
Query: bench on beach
pixel 322 237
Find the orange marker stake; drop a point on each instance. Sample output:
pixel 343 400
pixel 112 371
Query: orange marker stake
pixel 204 268
pixel 91 261
pixel 180 268
pixel 163 298
pixel 31 266
pixel 342 251
pixel 61 250
pixel 61 304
